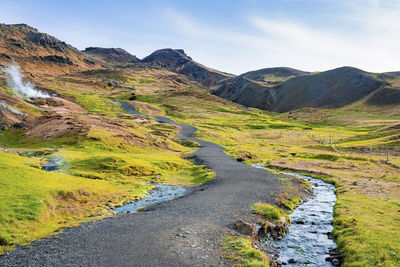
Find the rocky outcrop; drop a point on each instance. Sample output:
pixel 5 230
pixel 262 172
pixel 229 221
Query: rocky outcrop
pixel 273 230
pixel 56 59
pixel 248 229
pixel 112 55
pixel 177 61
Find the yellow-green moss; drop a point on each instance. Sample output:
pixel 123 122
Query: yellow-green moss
pixel 292 202
pixel 241 251
pixel 270 212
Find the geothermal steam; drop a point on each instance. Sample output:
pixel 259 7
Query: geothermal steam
pixel 21 88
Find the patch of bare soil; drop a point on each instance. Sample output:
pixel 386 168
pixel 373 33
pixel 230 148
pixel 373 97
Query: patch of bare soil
pixel 68 118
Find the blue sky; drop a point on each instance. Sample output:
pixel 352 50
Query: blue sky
pixel 233 36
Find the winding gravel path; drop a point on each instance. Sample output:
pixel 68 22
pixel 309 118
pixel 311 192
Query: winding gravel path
pixel 182 232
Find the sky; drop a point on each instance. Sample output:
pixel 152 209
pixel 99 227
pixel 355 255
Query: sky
pixel 234 36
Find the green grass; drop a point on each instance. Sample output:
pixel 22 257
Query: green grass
pixel 34 203
pixel 145 98
pixel 13 138
pixel 240 251
pixel 270 212
pixel 291 203
pixel 146 80
pixel 98 105
pixel 367 233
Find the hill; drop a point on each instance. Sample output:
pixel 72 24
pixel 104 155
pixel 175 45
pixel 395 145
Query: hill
pixel 294 90
pixel 40 52
pixel 273 75
pixel 177 61
pixel 112 55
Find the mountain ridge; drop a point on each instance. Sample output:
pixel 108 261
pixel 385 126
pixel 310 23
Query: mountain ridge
pixel 328 89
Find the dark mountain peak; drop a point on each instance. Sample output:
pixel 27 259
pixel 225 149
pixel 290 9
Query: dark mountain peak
pixel 166 55
pixel 28 38
pixel 112 55
pixel 20 27
pixel 178 61
pixel 345 69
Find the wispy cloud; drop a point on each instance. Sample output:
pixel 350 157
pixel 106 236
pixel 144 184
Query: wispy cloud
pixel 367 36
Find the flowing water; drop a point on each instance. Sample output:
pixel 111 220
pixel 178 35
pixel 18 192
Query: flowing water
pixel 160 194
pixel 308 241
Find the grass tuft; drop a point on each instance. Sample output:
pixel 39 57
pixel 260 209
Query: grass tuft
pixel 241 251
pixel 270 212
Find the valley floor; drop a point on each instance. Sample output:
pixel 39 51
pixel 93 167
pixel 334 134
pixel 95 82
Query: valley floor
pixel 113 157
pixel 183 232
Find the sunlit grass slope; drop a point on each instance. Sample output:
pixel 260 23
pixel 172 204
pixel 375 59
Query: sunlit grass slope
pixel 34 202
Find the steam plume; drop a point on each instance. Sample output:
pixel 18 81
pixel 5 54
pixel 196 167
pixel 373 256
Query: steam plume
pixel 21 88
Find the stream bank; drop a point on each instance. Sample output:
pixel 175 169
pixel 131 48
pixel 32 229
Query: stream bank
pixel 309 239
pixel 159 194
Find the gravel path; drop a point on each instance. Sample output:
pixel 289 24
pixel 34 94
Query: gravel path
pixel 181 232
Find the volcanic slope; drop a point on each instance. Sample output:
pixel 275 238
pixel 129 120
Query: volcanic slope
pixel 285 91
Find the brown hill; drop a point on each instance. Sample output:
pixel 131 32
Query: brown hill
pixel 40 52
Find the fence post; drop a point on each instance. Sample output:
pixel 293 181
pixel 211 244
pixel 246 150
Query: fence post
pixel 370 152
pixel 387 155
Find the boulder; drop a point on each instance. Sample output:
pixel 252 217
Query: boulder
pixel 273 230
pixel 247 229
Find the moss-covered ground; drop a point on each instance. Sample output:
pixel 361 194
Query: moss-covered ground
pixel 241 251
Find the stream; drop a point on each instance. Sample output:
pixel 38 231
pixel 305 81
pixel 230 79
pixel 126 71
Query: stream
pixel 308 241
pixel 159 194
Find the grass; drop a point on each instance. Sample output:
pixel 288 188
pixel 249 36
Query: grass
pixel 34 203
pixel 366 234
pixel 241 251
pixel 291 203
pixel 270 212
pixel 98 105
